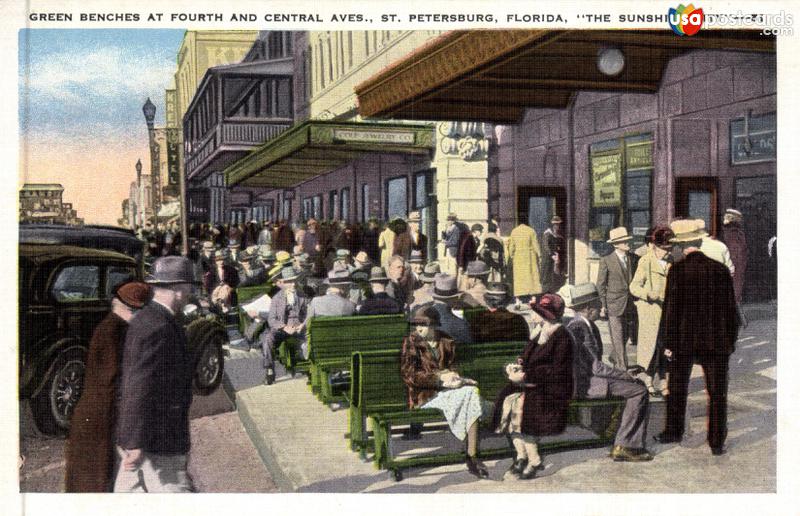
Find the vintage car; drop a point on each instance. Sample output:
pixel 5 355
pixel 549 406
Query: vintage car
pixel 64 292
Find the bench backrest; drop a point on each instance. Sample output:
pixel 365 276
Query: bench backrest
pixel 245 294
pixel 340 337
pixel 376 380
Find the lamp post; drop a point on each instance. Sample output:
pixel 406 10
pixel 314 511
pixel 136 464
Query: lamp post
pixel 138 213
pixel 149 110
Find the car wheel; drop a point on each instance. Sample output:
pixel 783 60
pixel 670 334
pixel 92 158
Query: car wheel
pixel 54 404
pixel 208 358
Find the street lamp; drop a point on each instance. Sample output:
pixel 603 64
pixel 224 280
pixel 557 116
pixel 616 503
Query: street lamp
pixel 138 216
pixel 149 110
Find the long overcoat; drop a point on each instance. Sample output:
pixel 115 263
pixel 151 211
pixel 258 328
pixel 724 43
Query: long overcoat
pixel 734 238
pixel 548 368
pixel 90 448
pixel 523 257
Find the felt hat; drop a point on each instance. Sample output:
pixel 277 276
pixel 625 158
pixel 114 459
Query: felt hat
pixel 288 274
pixel 556 220
pixel 445 286
pixel 477 227
pixel 477 269
pixel 170 270
pixel 618 235
pixel 429 272
pixel 496 289
pixel 338 276
pixel 133 294
pixel 549 306
pixel 342 254
pixel 580 294
pixel 362 258
pixel 452 216
pixel 377 274
pixel 416 257
pixel 425 316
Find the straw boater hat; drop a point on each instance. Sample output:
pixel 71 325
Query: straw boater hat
pixel 342 254
pixel 549 306
pixel 685 231
pixel 171 270
pixel 133 294
pixel 577 295
pixel 362 258
pixel 208 245
pixel 735 213
pixel 377 275
pixel 414 217
pixel 477 269
pixel 429 272
pixel 426 316
pixel 445 287
pixel 700 226
pixel 556 220
pixel 220 254
pixel 618 235
pixel 416 257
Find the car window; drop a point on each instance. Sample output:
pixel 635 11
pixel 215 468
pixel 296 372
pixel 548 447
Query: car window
pixel 115 276
pixel 77 283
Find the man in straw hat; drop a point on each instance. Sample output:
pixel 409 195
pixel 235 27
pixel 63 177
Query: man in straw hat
pixel 613 279
pixel 596 379
pixel 156 387
pixel 700 324
pixel 287 315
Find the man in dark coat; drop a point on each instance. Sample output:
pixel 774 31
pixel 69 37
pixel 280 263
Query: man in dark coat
pixel 613 282
pixel 497 323
pixel 553 256
pixel 700 324
pixel 445 296
pixel 380 303
pixel 156 388
pixel 90 447
pixel 734 238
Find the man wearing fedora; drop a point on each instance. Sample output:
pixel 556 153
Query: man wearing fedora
pixel 733 236
pixel 287 315
pixel 596 379
pixel 553 256
pixel 156 387
pixel 445 296
pixel 400 284
pixel 699 324
pixel 613 281
pixel 334 302
pixel 477 272
pixel 380 303
pixel 424 294
pixel 497 324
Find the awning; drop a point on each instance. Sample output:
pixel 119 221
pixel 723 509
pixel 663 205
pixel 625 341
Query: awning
pixel 493 76
pixel 315 147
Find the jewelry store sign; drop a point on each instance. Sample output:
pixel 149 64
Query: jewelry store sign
pixel 606 180
pixel 392 137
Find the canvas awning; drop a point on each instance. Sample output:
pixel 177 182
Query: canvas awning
pixel 495 75
pixel 315 147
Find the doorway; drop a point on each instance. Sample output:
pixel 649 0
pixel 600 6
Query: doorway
pixel 697 198
pixel 536 206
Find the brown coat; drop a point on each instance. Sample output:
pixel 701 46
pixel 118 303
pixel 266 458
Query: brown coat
pixel 549 368
pixel 404 244
pixel 420 370
pixel 90 449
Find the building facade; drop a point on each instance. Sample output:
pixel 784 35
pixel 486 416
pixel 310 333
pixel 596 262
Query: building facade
pixel 43 204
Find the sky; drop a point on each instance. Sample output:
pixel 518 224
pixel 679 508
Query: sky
pixel 80 113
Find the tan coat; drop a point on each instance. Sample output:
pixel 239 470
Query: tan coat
pixel 523 256
pixel 386 245
pixel 649 286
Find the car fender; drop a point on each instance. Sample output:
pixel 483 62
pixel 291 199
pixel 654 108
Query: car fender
pixel 45 365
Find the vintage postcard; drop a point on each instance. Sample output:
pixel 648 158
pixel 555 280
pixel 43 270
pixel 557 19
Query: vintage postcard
pixel 436 248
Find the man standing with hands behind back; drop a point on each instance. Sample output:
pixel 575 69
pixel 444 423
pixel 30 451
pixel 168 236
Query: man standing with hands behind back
pixel 156 388
pixel 613 280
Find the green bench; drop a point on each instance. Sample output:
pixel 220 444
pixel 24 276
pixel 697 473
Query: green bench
pixel 379 395
pixel 333 340
pixel 246 294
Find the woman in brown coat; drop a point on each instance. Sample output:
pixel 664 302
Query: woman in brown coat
pixel 536 401
pixel 90 450
pixel 426 365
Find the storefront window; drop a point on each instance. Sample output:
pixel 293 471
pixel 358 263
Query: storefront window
pixel 397 197
pixel 333 202
pixel 317 201
pixel 621 179
pixel 344 211
pixel 364 202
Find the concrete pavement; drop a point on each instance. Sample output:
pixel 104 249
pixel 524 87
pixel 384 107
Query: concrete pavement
pixel 303 445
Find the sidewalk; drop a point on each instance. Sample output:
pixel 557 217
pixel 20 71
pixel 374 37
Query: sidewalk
pixel 303 445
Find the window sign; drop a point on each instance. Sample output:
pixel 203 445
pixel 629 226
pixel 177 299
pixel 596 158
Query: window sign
pixel 754 139
pixel 606 178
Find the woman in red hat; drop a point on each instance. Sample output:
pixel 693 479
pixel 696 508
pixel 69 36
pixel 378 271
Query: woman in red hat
pixel 535 403
pixel 90 450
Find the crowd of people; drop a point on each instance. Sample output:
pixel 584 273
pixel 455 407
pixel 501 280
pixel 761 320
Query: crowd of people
pixel 659 297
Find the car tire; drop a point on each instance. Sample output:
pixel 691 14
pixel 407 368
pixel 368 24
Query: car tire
pixel 54 403
pixel 205 339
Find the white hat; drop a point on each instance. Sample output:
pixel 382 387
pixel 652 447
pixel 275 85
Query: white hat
pixel 618 235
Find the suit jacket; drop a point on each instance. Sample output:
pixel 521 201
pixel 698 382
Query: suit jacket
pixel 420 369
pixel 613 282
pixel 156 384
pixel 699 314
pixel 280 313
pixel 591 374
pixel 548 367
pixel 90 447
pixel 380 304
pixel 499 325
pixel 330 305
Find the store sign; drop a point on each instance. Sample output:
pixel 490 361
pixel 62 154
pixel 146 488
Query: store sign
pixel 396 137
pixel 639 155
pixel 607 180
pixel 754 139
pixel 173 157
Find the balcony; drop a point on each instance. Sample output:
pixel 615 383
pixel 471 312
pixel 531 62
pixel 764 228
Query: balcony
pixel 236 109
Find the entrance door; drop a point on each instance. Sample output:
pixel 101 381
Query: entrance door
pixel 425 203
pixel 696 198
pixel 537 206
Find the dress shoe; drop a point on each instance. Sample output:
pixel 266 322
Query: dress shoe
pixel 270 378
pixel 518 466
pixel 665 438
pixel 623 454
pixel 530 471
pixel 718 450
pixel 476 467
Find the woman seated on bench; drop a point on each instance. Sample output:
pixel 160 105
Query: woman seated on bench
pixel 426 367
pixel 536 401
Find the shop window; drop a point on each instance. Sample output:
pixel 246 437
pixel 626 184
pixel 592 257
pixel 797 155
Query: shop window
pixel 344 210
pixel 308 208
pixel 621 189
pixel 365 202
pixel 317 204
pixel 397 197
pixel 333 202
pixel 754 139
